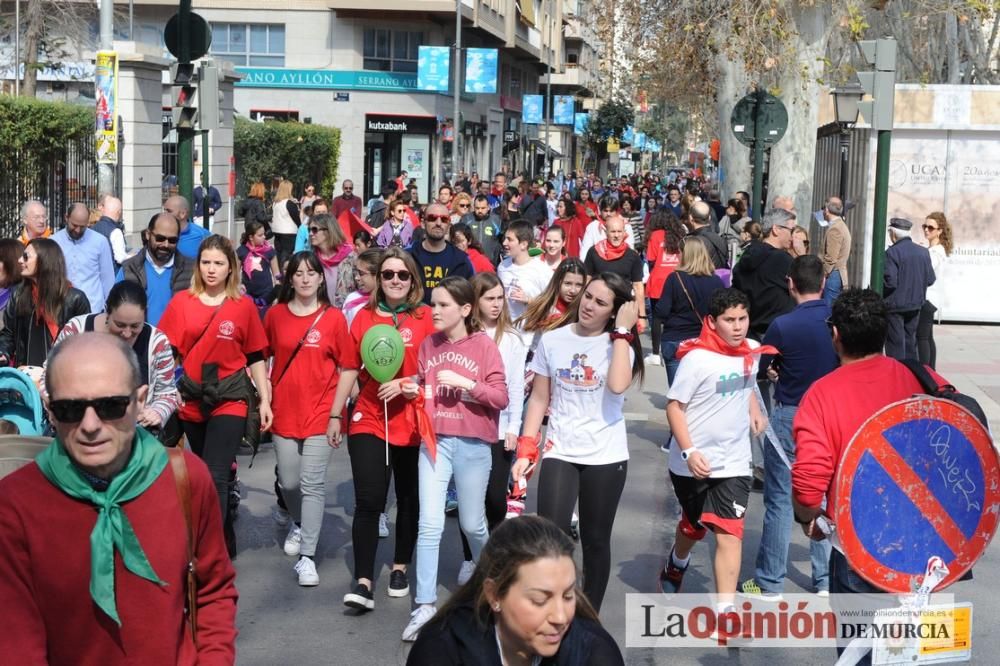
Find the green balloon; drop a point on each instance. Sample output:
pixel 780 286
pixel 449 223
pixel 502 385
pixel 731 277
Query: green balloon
pixel 382 351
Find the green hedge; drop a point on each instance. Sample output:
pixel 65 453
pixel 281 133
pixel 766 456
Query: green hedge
pixel 41 129
pixel 290 150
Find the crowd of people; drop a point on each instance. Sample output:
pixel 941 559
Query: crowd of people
pixel 522 305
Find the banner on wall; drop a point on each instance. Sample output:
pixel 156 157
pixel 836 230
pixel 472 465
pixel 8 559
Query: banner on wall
pixel 562 110
pixel 481 71
pixel 580 121
pixel 433 68
pixel 531 109
pixel 106 93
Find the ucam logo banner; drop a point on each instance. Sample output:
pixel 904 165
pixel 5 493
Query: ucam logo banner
pixel 433 68
pixel 481 71
pixel 580 121
pixel 531 109
pixel 562 110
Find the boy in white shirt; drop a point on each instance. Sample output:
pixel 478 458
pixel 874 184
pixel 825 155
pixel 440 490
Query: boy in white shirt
pixel 523 276
pixel 710 408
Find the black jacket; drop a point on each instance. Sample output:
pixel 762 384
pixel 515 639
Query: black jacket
pixel 134 270
pixel 761 274
pixel 253 210
pixel 908 273
pixel 26 341
pixel 718 249
pixel 460 639
pixel 534 209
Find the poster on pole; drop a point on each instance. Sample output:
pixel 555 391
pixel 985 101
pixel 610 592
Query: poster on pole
pixel 481 71
pixel 531 110
pixel 106 93
pixel 562 110
pixel 433 68
pixel 580 121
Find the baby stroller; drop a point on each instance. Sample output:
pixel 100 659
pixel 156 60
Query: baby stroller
pixel 23 420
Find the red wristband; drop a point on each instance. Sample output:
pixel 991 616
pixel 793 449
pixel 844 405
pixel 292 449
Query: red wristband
pixel 527 447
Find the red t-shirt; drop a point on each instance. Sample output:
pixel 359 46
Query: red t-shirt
pixel 574 229
pixel 663 264
pixel 831 413
pixel 235 331
pixel 369 411
pixel 302 400
pixel 480 264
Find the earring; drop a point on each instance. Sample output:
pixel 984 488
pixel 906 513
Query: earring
pixel 496 607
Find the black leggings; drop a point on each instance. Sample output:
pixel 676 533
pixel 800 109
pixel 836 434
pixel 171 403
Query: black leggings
pixel 926 349
pixel 598 489
pixel 371 483
pixel 284 246
pixel 496 492
pixel 655 326
pixel 216 442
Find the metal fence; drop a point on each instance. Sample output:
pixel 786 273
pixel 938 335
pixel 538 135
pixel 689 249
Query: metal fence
pixel 68 177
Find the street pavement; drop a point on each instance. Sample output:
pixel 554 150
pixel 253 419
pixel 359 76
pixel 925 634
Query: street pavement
pixel 282 623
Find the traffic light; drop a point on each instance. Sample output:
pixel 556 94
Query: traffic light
pixel 209 98
pixel 880 83
pixel 185 110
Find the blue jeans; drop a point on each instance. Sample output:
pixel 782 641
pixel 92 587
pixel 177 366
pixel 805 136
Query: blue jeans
pixel 844 580
pixel 470 460
pixel 772 555
pixel 669 352
pixel 834 285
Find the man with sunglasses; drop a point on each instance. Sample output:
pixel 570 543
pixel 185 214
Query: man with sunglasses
pixel 95 536
pixel 435 256
pixel 346 201
pixel 160 270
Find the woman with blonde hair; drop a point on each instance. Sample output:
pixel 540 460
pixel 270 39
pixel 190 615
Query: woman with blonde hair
pixel 218 336
pixel 683 303
pixel 337 255
pixel 285 221
pixel 937 231
pixel 460 205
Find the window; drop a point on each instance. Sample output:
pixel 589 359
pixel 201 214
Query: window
pixel 391 50
pixel 254 44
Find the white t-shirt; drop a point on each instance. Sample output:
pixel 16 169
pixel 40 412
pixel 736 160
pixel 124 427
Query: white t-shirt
pixel 532 277
pixel 717 395
pixel 586 420
pixel 595 233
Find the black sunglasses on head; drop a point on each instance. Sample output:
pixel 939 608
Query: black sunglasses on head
pixel 107 409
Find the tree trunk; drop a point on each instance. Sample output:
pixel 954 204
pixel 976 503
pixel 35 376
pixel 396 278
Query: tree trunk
pixel 793 158
pixel 952 59
pixel 735 159
pixel 35 19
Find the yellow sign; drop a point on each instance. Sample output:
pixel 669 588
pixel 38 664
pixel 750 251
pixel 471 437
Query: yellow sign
pixel 106 92
pixel 957 636
pixel 613 145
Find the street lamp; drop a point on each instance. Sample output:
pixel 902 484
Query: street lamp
pixel 845 101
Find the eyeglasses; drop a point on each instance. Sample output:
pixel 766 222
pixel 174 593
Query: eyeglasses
pixel 316 230
pixel 437 218
pixel 404 275
pixel 107 409
pixel 463 205
pixel 928 227
pixel 169 240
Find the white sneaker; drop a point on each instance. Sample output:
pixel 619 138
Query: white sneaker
pixel 418 619
pixel 465 572
pixel 306 569
pixel 280 516
pixel 383 526
pixel 653 359
pixel 294 540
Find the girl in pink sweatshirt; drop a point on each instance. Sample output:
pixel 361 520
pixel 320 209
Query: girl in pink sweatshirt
pixel 462 376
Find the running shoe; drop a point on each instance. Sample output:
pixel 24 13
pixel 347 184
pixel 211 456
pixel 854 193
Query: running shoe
pixel 360 598
pixel 280 516
pixel 451 502
pixel 465 572
pixel 749 588
pixel 294 540
pixel 306 570
pixel 398 585
pixel 653 359
pixel 574 527
pixel 418 619
pixel 671 575
pixel 515 507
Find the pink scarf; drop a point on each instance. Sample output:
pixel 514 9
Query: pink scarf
pixel 354 302
pixel 255 251
pixel 331 260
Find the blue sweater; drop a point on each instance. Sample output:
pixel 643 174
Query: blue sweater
pixel 807 353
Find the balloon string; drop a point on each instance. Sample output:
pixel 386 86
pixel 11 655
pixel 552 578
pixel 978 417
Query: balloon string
pixel 385 411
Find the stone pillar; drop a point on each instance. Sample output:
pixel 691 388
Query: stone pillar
pixel 140 93
pixel 220 150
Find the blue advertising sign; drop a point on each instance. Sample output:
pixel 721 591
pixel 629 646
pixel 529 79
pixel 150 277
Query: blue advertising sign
pixel 531 109
pixel 481 71
pixel 917 481
pixel 432 68
pixel 325 79
pixel 640 141
pixel 562 110
pixel 580 121
pixel 628 136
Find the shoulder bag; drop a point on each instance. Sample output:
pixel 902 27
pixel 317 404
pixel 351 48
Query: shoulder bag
pixel 183 483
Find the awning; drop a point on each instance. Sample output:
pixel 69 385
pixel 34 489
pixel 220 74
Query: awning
pixel 541 148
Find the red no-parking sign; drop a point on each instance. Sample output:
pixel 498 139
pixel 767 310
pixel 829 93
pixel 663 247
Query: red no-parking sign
pixel 921 478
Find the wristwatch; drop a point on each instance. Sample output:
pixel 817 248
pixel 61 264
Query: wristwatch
pixel 687 453
pixel 622 333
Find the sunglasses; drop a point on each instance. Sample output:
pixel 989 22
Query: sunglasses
pixel 170 240
pixel 928 227
pixel 107 409
pixel 404 276
pixel 315 230
pixel 467 205
pixel 437 218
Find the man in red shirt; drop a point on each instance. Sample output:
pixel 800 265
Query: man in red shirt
pixel 94 538
pixel 347 201
pixel 834 409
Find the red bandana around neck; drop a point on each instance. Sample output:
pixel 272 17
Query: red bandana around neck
pixel 710 340
pixel 609 252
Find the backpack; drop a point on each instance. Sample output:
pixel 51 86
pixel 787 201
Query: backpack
pixel 945 391
pixel 20 402
pixel 376 217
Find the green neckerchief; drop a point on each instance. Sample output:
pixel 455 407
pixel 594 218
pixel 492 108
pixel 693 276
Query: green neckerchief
pixel 112 530
pixel 393 310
